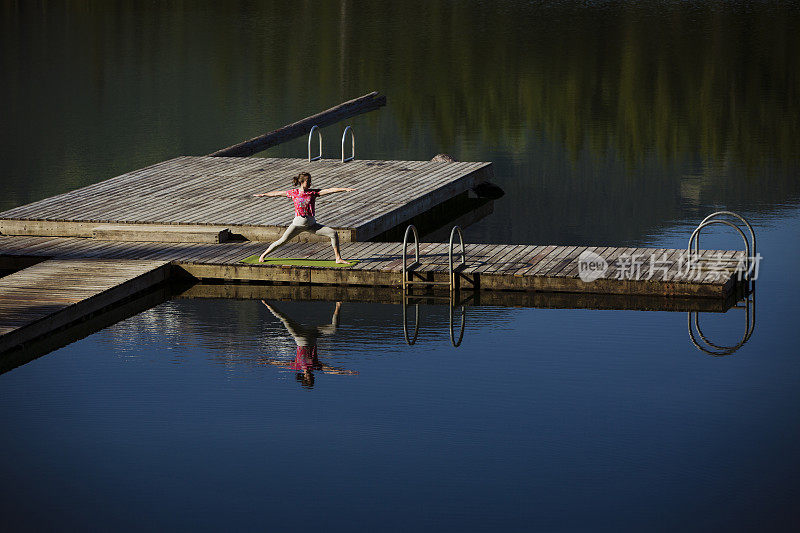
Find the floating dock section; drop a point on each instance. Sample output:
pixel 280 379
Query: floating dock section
pixel 196 217
pixel 58 292
pixel 197 198
pixel 487 267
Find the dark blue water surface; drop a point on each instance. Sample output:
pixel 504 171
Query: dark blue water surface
pixel 543 418
pixel 609 124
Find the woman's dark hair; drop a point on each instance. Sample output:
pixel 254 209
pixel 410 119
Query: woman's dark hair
pixel 306 380
pixel 303 177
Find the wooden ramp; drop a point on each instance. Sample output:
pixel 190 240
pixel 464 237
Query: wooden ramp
pixel 549 268
pixel 58 292
pixel 190 192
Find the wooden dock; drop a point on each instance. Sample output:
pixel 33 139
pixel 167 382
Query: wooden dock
pixel 488 266
pixel 72 277
pixel 58 292
pixel 196 218
pixel 182 196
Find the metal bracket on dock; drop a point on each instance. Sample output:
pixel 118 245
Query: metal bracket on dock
pixel 310 134
pixel 716 218
pixel 353 147
pixel 451 282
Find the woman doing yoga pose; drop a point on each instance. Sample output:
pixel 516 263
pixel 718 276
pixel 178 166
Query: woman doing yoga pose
pixel 304 197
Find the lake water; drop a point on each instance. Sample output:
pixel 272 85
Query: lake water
pixel 608 124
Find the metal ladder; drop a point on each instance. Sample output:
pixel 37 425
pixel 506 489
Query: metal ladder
pixel 451 282
pixel 318 157
pixel 735 221
pixel 717 218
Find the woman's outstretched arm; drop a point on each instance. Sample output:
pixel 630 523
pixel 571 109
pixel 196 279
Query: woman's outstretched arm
pixel 335 189
pixel 337 370
pixel 271 193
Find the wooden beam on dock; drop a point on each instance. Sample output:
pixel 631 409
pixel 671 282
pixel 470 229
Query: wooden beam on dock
pixel 389 295
pixel 160 233
pixel 351 108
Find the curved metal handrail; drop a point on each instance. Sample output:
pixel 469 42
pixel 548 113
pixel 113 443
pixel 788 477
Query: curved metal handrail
pixel 410 342
pixel 353 147
pixel 463 325
pixel 718 350
pixel 740 217
pixel 753 243
pixel 412 228
pixel 310 134
pixel 696 235
pixel 450 254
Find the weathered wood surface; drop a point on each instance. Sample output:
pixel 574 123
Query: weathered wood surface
pixel 218 191
pixel 351 108
pixel 488 266
pixel 57 292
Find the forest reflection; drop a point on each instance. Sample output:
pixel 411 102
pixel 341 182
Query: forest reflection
pixel 679 98
pixel 718 78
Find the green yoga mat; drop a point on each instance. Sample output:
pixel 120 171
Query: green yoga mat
pixel 253 260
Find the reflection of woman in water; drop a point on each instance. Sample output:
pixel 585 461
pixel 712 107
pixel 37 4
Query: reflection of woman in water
pixel 306 360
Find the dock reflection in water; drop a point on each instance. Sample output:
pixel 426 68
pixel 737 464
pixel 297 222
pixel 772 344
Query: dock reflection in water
pixel 441 315
pixel 456 304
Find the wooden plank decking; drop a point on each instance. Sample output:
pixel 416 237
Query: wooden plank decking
pixel 54 293
pixel 218 191
pixel 488 266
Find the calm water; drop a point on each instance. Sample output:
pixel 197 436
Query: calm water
pixel 608 123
